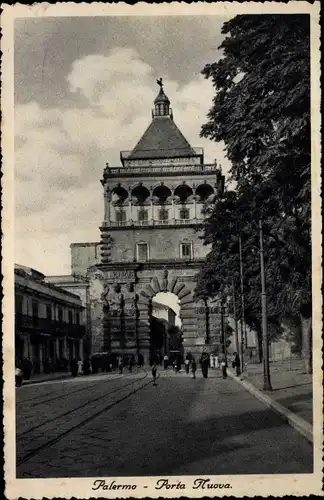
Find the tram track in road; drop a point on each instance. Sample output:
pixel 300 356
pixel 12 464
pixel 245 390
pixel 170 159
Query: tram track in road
pixel 72 410
pixel 34 450
pixel 61 395
pixel 53 398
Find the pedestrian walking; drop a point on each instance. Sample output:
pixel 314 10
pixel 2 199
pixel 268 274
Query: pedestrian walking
pixel 193 367
pixel 236 363
pixel 74 367
pixel 224 367
pixel 121 366
pixel 130 364
pixel 166 361
pixel 154 370
pixel 80 367
pixel 204 364
pixel 216 361
pixel 140 358
pixel 187 365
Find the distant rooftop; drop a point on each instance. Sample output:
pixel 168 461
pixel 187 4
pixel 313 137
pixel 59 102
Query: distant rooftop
pixel 30 272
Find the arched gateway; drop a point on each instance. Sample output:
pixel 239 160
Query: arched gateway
pixel 154 204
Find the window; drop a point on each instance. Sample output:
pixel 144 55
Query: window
pixel 35 308
pixel 121 216
pixel 70 317
pixel 18 304
pixel 163 214
pixel 60 315
pixel 186 250
pixel 48 311
pixel 35 311
pixel 142 252
pixel 184 213
pixel 142 215
pixel 77 318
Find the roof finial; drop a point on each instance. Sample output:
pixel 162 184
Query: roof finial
pixel 160 83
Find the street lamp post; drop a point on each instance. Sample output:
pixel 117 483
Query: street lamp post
pixel 235 319
pixel 242 304
pixel 223 328
pixel 266 367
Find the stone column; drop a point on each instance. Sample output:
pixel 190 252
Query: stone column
pixel 106 328
pixel 57 348
pixel 129 316
pixel 107 198
pixel 27 352
pixel 152 206
pixel 214 326
pixel 202 327
pixel 143 326
pixel 130 206
pixel 173 207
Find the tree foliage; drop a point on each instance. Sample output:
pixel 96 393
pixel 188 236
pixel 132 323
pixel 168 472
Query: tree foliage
pixel 261 110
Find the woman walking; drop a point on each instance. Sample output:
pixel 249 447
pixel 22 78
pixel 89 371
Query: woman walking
pixel 154 370
pixel 193 367
pixel 204 365
pixel 236 363
pixel 224 367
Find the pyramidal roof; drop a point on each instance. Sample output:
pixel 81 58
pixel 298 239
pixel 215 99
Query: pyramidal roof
pixel 162 138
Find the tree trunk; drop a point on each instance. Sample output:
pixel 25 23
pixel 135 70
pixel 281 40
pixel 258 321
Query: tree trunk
pixel 306 327
pixel 260 347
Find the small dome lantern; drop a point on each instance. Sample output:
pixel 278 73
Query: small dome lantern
pixel 161 102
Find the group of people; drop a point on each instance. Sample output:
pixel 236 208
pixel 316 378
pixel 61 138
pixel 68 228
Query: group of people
pixel 126 362
pixel 206 361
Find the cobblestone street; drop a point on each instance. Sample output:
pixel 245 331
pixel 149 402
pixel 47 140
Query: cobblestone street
pixel 110 425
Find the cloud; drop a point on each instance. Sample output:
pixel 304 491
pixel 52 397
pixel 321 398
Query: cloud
pixel 61 152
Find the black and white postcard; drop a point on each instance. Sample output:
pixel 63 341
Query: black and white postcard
pixel 162 250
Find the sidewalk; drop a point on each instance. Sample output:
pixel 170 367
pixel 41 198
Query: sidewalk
pixel 292 394
pixel 36 379
pixel 42 377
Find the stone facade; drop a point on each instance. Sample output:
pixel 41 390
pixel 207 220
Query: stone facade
pixel 49 322
pixel 153 208
pixel 154 205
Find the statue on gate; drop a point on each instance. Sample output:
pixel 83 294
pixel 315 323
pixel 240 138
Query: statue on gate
pixel 112 297
pixel 129 300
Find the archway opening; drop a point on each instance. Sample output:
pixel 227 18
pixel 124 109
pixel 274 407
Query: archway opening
pixel 119 195
pixel 140 194
pixel 183 193
pixel 204 192
pixel 165 327
pixel 161 194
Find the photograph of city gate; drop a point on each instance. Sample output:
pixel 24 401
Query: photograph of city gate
pixel 178 341
pixel 150 250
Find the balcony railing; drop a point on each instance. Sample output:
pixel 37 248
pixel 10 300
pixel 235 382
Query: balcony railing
pixel 48 326
pixel 152 223
pixel 124 155
pixel 209 168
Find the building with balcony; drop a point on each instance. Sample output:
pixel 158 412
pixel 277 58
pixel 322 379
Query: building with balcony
pixel 154 206
pixel 49 322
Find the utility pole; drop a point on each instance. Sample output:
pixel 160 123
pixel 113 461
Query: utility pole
pixel 265 341
pixel 223 328
pixel 242 304
pixel 235 319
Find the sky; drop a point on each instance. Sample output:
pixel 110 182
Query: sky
pixel 84 90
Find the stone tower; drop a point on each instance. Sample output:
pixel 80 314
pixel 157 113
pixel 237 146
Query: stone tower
pixel 153 206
